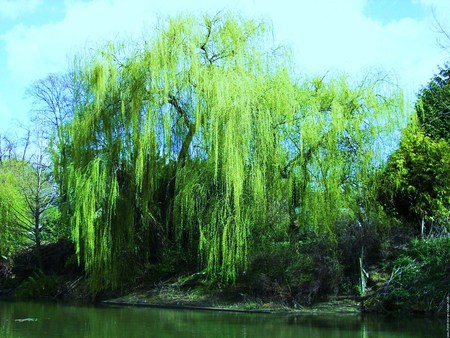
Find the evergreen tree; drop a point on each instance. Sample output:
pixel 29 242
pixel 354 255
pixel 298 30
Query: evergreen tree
pixel 415 185
pixel 433 106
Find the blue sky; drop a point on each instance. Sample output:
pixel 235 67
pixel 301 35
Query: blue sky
pixel 39 37
pixel 394 10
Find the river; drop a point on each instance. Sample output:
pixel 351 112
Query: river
pixel 31 319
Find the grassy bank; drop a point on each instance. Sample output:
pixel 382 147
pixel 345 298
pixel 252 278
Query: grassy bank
pixel 306 278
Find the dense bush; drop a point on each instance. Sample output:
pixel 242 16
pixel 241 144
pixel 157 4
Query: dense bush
pixel 369 238
pixel 296 274
pixel 53 258
pixel 40 286
pixel 420 277
pixel 433 104
pixel 415 185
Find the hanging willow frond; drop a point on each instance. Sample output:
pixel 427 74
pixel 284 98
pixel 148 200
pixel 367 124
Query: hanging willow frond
pixel 195 139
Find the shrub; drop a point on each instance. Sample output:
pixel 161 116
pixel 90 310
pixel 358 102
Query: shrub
pixel 39 286
pixel 420 277
pixel 300 273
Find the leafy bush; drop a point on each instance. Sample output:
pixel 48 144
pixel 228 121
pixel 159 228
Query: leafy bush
pixel 420 277
pixel 415 184
pixel 433 103
pixel 39 286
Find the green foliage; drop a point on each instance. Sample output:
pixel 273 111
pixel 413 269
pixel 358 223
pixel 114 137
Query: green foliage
pixel 39 286
pixel 333 151
pixel 178 98
pixel 26 197
pixel 200 139
pixel 415 184
pixel 12 204
pixel 433 106
pixel 53 227
pixel 420 277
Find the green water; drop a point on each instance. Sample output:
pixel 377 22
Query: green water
pixel 26 319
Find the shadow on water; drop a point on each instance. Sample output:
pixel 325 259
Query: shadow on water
pixel 26 319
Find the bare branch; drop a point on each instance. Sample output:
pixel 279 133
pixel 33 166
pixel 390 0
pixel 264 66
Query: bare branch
pixel 440 29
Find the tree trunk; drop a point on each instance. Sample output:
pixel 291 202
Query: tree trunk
pixel 362 273
pixel 422 228
pixel 37 239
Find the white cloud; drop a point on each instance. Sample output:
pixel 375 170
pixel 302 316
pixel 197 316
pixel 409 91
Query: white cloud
pixel 324 35
pixel 328 37
pixel 34 51
pixel 11 9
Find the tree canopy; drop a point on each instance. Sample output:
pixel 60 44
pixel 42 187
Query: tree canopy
pixel 202 139
pixel 416 182
pixel 12 204
pixel 27 204
pixel 433 106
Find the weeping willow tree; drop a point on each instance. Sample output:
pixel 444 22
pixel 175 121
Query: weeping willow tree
pixel 340 135
pixel 176 144
pixel 201 139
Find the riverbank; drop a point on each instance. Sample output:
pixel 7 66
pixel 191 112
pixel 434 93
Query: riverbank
pixel 191 293
pixel 415 280
pixel 338 305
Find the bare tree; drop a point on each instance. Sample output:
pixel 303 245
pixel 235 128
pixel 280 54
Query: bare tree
pixel 27 160
pixel 53 101
pixel 443 32
pixel 8 147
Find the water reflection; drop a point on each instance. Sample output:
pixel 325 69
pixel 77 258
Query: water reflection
pixel 24 319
